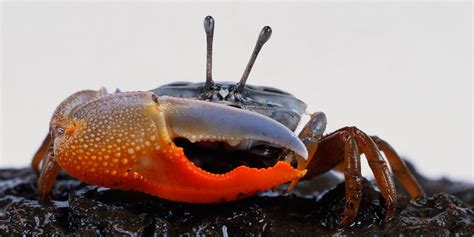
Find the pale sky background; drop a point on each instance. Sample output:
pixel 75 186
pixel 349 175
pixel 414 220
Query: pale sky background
pixel 402 71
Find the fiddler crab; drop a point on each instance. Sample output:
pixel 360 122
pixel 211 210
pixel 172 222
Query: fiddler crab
pixel 209 142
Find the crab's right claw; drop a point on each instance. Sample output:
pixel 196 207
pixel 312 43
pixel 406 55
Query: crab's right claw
pixel 126 141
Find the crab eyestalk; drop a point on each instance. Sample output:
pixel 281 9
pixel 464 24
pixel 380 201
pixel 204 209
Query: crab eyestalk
pixel 262 39
pixel 209 28
pixel 126 141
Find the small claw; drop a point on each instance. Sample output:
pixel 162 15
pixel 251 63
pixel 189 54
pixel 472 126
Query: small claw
pixel 204 121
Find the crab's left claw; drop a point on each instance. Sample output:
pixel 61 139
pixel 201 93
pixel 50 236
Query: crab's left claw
pixel 125 141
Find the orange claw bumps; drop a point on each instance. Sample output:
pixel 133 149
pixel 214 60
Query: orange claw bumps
pixel 126 141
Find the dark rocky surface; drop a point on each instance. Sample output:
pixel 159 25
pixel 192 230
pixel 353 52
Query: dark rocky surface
pixel 82 209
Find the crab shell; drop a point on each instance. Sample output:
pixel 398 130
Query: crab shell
pixel 125 141
pixel 271 102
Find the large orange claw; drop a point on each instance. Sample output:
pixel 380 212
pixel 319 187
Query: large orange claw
pixel 125 141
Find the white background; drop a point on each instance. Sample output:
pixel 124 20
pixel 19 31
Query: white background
pixel 398 70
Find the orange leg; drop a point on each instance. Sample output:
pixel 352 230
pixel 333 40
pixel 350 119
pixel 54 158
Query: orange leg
pixel 399 168
pixel 41 153
pixel 49 172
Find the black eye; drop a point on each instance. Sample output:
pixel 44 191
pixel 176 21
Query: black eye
pixel 154 98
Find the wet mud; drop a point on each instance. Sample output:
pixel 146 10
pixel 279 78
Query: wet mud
pixel 81 209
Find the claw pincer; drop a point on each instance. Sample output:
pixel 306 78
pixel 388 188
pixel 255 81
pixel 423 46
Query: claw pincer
pixel 125 141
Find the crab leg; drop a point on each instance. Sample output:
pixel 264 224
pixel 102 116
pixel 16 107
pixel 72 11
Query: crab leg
pixel 399 168
pixel 41 153
pixel 352 174
pixel 311 135
pixel 49 172
pixel 341 150
pixel 380 169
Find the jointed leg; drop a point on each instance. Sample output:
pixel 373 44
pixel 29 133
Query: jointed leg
pixel 353 179
pixel 311 134
pixel 340 149
pixel 380 169
pixel 41 153
pixel 399 168
pixel 49 172
pixel 49 169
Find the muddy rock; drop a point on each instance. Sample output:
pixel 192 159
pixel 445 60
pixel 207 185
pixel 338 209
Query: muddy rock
pixel 82 209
